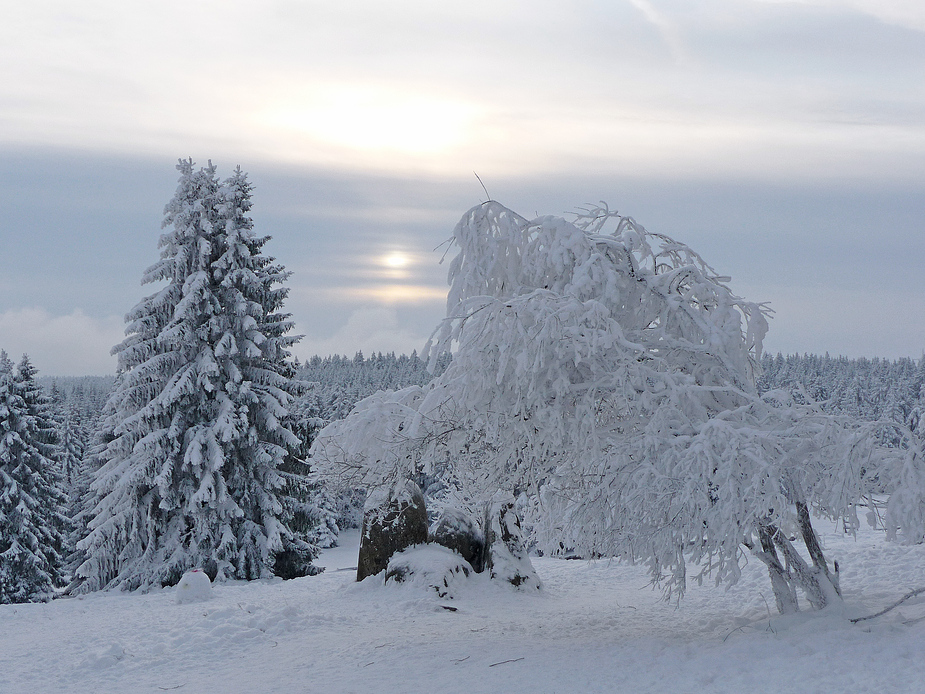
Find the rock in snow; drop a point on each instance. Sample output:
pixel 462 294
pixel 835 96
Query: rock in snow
pixel 456 531
pixel 393 519
pixel 194 586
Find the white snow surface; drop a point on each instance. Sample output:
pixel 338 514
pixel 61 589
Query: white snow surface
pixel 596 627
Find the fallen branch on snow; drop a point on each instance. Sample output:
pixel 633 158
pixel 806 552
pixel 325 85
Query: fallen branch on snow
pixel 907 596
pixel 505 661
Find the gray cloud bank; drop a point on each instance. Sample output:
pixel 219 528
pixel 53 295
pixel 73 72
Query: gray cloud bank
pixel 839 263
pixel 784 140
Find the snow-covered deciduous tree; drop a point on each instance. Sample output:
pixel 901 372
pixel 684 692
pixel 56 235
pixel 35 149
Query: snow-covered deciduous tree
pixel 190 477
pixel 32 503
pixel 607 374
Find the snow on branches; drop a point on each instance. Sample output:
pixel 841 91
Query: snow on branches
pixel 190 476
pixel 549 318
pixel 607 375
pixel 32 501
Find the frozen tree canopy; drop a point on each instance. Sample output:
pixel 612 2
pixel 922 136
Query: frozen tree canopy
pixel 548 317
pixel 608 374
pixel 197 432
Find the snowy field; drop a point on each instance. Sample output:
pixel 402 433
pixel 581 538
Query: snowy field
pixel 596 627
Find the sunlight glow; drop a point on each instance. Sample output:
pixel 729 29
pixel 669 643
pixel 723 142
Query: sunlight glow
pixel 396 260
pixel 409 294
pixel 375 119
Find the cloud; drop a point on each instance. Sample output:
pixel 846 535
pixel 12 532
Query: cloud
pixel 844 321
pixel 370 118
pixel 367 329
pixel 442 88
pixel 667 29
pixel 909 14
pixel 61 345
pixel 392 293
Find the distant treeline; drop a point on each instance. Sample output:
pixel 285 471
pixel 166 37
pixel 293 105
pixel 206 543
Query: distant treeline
pixel 339 382
pixel 871 389
pixel 83 396
pixel 336 384
pixel 867 388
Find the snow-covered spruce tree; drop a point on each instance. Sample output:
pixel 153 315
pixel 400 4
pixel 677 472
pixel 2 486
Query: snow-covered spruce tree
pixel 311 506
pixel 607 376
pixel 48 436
pixel 71 438
pixel 83 498
pixel 72 449
pixel 40 407
pixel 190 477
pixel 31 499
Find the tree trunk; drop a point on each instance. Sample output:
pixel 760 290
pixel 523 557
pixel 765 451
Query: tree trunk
pixel 785 594
pixel 820 586
pixel 814 548
pixel 814 581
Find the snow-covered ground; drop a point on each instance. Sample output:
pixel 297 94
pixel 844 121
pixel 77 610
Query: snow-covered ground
pixel 596 627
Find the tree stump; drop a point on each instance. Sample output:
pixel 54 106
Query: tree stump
pixel 506 556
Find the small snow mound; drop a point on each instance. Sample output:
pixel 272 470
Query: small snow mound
pixel 431 567
pixel 194 586
pixel 106 658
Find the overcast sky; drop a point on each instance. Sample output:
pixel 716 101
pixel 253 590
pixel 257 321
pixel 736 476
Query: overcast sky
pixel 785 141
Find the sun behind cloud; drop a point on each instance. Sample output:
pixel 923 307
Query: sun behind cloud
pixel 374 119
pixel 395 259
